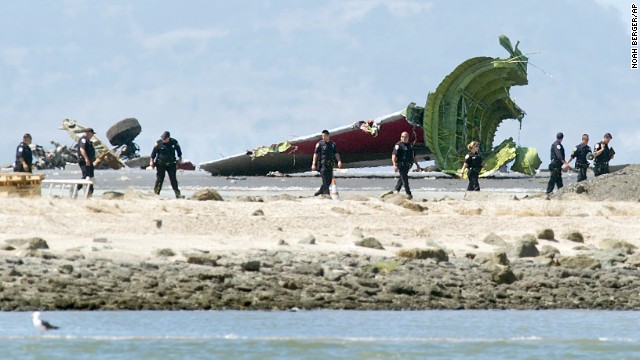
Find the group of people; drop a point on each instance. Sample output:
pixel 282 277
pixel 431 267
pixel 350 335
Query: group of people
pixel 165 157
pixel 601 155
pixel 403 157
pixel 167 154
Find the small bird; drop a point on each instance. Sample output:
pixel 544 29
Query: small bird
pixel 41 325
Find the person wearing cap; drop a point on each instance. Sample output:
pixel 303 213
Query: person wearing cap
pixel 24 156
pixel 580 153
pixel 324 159
pixel 557 163
pixel 473 162
pixel 403 157
pixel 602 155
pixel 87 157
pixel 163 158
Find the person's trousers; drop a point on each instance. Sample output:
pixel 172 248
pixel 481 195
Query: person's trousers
pixel 404 179
pixel 87 172
pixel 170 169
pixel 474 185
pixel 582 174
pixel 600 169
pixel 555 179
pixel 326 172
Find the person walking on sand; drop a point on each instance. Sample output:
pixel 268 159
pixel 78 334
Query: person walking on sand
pixel 87 158
pixel 473 162
pixel 24 156
pixel 403 157
pixel 163 158
pixel 324 158
pixel 556 164
pixel 602 155
pixel 580 153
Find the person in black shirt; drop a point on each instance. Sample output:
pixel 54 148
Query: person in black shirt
pixel 603 154
pixel 87 157
pixel 472 161
pixel 556 164
pixel 24 156
pixel 403 157
pixel 580 154
pixel 163 158
pixel 324 158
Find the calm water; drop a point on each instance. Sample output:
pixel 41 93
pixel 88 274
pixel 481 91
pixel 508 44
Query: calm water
pixel 324 334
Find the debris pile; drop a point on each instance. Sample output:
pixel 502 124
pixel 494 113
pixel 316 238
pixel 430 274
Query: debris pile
pixel 622 185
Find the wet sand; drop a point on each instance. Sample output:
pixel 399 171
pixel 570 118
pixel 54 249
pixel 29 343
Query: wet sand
pixel 430 185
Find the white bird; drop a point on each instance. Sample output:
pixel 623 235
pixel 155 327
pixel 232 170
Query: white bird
pixel 41 325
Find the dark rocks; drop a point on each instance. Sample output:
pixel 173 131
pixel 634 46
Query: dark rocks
pixel 112 195
pixel 258 212
pixel 618 245
pixel 206 195
pixel 414 206
pixel 250 266
pixel 546 234
pixel 496 258
pixel 282 280
pixel 503 275
pixel 166 252
pixel 429 253
pixel 575 237
pixel 308 240
pixel 493 239
pixel 525 247
pixel 34 243
pixel 370 242
pixel 66 269
pixel 402 288
pixel 202 260
pixel 580 262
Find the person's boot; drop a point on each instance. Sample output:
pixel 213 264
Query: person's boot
pixel 178 195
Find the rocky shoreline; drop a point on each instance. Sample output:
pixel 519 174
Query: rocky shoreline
pixel 488 251
pixel 520 277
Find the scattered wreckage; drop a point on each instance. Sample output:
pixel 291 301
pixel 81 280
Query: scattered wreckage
pixel 469 104
pixel 365 143
pixel 125 153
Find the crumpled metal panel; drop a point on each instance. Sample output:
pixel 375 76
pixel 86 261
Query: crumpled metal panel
pixel 527 161
pixel 469 104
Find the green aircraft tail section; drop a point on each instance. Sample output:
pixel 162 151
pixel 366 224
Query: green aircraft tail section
pixel 469 104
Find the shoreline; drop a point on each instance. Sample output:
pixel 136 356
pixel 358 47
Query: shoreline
pixel 282 251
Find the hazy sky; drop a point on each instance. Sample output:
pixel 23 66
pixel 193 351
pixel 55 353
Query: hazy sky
pixel 227 76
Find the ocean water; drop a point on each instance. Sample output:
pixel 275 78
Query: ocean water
pixel 324 334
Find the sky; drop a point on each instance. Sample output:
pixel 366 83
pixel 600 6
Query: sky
pixel 228 76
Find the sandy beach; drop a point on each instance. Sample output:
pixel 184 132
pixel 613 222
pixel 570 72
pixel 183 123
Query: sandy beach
pixel 468 233
pixel 141 223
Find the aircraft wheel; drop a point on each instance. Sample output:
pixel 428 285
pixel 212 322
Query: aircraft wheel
pixel 124 131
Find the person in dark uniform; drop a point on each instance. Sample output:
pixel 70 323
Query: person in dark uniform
pixel 403 157
pixel 557 163
pixel 24 156
pixel 87 157
pixel 602 155
pixel 580 153
pixel 163 158
pixel 472 161
pixel 324 158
